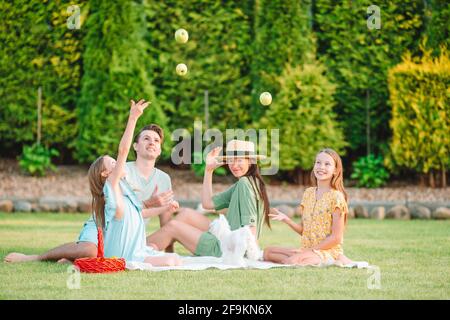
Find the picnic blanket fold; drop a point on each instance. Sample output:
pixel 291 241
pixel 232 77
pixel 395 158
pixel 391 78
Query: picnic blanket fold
pixel 203 263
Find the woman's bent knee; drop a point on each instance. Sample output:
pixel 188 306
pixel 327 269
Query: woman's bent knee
pixel 184 214
pixel 174 225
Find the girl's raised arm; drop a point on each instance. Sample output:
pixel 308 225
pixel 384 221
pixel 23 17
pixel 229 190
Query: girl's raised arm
pixel 136 111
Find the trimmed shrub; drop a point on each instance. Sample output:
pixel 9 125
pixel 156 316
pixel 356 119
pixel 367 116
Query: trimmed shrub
pixel 304 114
pixel 370 172
pixel 37 159
pixel 419 95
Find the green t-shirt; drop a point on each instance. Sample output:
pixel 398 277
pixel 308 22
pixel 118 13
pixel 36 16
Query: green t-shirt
pixel 245 206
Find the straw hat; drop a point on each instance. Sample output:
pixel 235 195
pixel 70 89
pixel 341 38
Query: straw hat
pixel 240 149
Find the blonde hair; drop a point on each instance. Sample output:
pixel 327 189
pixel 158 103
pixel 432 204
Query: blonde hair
pixel 96 184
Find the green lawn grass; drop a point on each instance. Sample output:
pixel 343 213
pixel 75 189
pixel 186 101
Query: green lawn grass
pixel 413 257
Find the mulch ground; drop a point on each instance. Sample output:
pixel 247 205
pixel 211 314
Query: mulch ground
pixel 72 181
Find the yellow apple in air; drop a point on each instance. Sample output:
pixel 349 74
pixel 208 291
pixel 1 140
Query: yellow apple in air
pixel 265 98
pixel 181 36
pixel 181 69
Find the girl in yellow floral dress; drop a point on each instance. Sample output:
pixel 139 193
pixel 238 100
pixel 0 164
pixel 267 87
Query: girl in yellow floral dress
pixel 324 215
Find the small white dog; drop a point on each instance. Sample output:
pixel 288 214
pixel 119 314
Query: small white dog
pixel 235 244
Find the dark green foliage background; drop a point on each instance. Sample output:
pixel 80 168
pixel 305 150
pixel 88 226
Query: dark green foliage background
pixel 237 49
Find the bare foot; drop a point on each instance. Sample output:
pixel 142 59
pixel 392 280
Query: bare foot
pixel 20 257
pixel 343 260
pixel 64 261
pixel 154 246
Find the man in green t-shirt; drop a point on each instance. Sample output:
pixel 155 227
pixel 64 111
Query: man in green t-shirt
pixel 152 186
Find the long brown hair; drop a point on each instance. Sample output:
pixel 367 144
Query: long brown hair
pixel 96 184
pixel 253 172
pixel 337 182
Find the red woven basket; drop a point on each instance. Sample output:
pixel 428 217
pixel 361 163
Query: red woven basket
pixel 100 264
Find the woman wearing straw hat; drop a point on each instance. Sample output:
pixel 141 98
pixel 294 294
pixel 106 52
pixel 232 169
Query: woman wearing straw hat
pixel 246 201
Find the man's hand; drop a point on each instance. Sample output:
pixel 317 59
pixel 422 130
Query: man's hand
pixel 159 200
pixel 174 206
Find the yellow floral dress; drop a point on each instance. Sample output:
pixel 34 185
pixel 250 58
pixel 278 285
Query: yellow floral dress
pixel 317 218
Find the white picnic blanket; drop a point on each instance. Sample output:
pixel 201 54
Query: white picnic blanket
pixel 203 263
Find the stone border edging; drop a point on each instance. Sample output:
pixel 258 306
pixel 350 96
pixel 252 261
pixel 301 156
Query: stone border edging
pixel 401 209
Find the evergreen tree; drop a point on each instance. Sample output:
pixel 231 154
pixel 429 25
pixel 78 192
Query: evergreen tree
pixel 217 56
pixel 115 70
pixel 282 37
pixel 358 59
pixel 437 17
pixel 38 50
pixel 303 111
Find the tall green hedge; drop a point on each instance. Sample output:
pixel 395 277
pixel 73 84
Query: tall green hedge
pixel 236 50
pixel 419 95
pixel 303 111
pixel 37 49
pixel 437 17
pixel 115 70
pixel 358 59
pixel 217 56
pixel 283 36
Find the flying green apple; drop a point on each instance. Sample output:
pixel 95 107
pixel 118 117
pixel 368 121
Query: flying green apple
pixel 181 69
pixel 265 98
pixel 181 36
